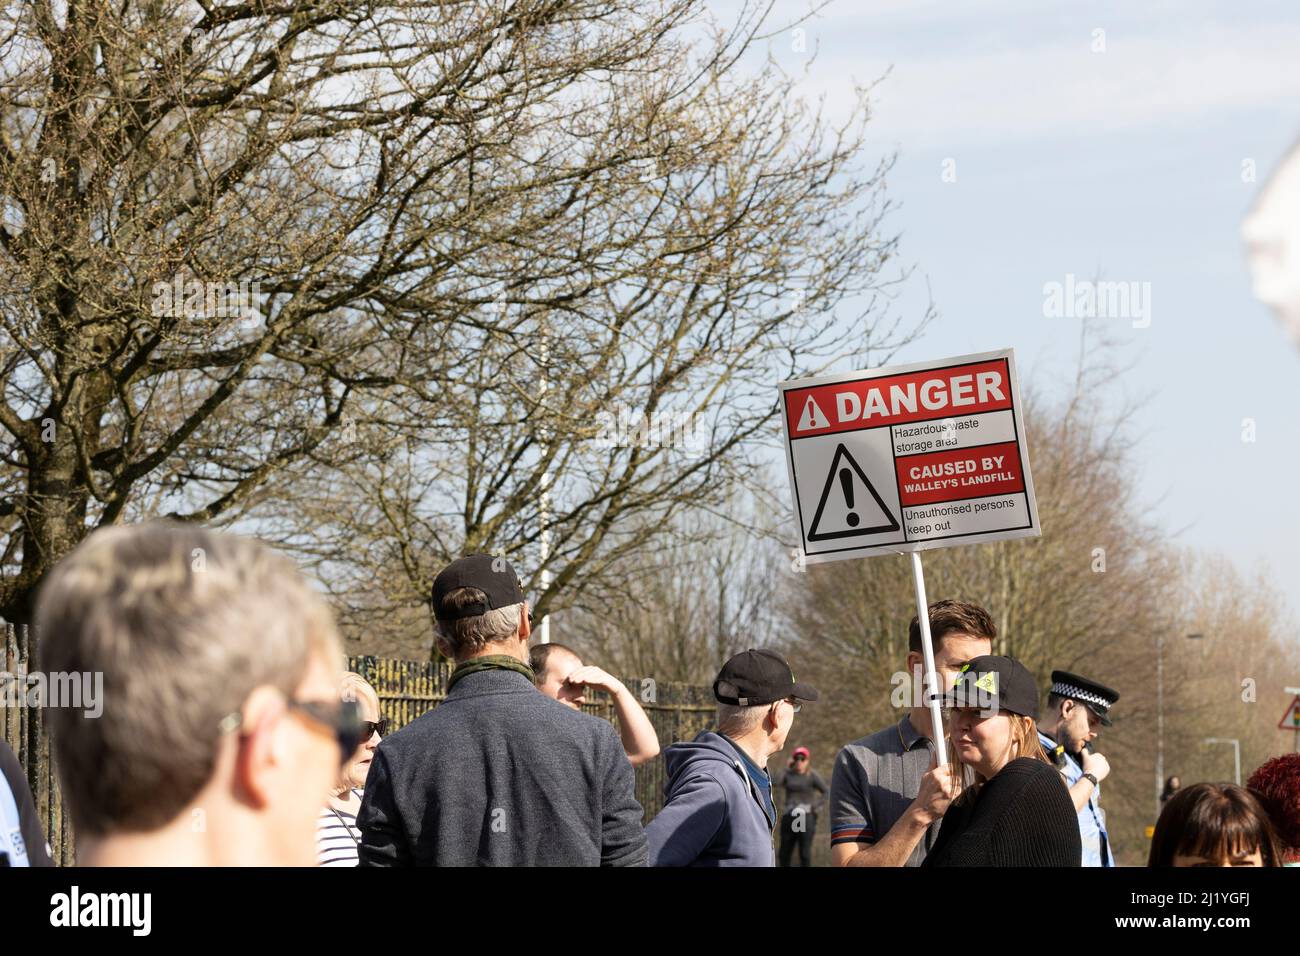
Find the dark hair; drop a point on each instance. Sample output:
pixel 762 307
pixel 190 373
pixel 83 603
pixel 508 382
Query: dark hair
pixel 1211 820
pixel 1170 789
pixel 539 654
pixel 952 617
pixel 1277 786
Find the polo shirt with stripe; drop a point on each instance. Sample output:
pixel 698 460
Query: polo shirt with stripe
pixel 874 781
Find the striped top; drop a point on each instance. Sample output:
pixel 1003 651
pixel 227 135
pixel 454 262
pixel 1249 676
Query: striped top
pixel 337 836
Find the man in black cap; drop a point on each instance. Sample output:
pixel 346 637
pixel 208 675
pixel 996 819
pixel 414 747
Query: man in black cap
pixel 1077 708
pixel 719 809
pixel 497 774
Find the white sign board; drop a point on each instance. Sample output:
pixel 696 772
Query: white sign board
pixel 909 458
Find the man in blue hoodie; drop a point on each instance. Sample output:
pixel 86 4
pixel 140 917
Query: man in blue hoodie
pixel 719 809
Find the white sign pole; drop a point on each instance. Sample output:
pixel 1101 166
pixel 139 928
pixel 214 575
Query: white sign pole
pixel 931 679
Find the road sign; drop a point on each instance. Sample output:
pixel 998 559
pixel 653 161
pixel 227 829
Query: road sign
pixel 909 457
pixel 1291 719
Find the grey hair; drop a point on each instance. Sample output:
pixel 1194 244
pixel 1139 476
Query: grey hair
pixel 473 633
pixel 185 623
pixel 736 721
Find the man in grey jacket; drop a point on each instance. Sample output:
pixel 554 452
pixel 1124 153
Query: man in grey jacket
pixel 497 774
pixel 719 809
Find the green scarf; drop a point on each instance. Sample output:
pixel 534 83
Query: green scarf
pixel 489 662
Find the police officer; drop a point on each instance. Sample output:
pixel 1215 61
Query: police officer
pixel 1076 710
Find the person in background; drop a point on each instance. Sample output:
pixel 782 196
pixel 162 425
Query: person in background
pixel 887 791
pixel 221 725
pixel 719 809
pixel 497 774
pixel 1276 784
pixel 560 674
pixel 337 836
pixel 1077 709
pixel 22 839
pixel 1171 787
pixel 1214 824
pixel 805 795
pixel 1013 809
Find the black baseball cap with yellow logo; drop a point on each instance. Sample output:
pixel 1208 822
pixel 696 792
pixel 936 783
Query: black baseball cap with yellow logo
pixel 758 676
pixel 1002 680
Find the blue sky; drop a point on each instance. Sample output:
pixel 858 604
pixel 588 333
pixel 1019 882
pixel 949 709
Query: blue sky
pixel 1124 164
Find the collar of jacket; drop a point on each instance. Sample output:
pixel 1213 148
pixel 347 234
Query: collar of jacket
pixel 739 762
pixel 489 662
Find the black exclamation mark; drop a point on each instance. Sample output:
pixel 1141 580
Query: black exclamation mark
pixel 846 482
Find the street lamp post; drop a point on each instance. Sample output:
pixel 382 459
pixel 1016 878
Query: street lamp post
pixel 1160 713
pixel 544 505
pixel 1236 754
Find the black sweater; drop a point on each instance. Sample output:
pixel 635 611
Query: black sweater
pixel 1023 816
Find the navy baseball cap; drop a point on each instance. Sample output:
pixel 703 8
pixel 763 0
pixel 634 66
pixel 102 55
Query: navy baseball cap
pixel 758 676
pixel 493 576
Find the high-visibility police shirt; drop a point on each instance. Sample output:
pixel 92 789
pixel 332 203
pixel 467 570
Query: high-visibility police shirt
pixel 1092 818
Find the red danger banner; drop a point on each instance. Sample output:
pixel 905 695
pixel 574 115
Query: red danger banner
pixel 898 399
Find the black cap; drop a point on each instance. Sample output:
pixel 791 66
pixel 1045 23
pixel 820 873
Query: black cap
pixel 493 576
pixel 1098 698
pixel 758 676
pixel 1003 680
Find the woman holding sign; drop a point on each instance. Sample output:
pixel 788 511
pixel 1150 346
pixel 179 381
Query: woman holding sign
pixel 1013 809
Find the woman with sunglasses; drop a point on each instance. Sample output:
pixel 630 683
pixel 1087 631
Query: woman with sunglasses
pixel 337 836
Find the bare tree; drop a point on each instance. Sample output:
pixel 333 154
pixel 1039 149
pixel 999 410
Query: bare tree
pixel 687 606
pixel 460 239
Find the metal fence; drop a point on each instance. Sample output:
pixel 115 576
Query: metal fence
pixel 406 689
pixel 23 728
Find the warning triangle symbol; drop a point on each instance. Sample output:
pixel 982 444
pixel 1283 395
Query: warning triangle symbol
pixel 849 505
pixel 1291 719
pixel 812 417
